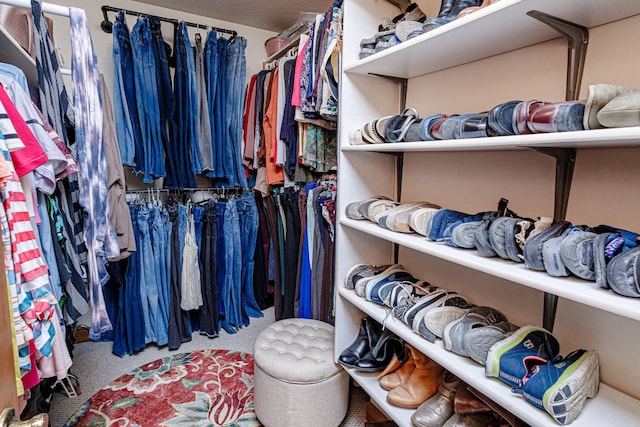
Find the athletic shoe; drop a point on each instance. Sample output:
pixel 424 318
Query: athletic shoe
pixel 453 334
pixel 561 387
pixel 362 271
pixel 361 284
pixel 478 341
pixel 375 283
pixel 505 358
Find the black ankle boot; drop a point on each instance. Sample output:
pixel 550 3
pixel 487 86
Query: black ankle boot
pixel 456 6
pixel 368 335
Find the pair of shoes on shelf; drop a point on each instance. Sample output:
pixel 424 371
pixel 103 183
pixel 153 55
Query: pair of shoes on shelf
pixel 425 315
pixel 411 381
pixel 449 11
pixel 360 209
pixel 458 405
pixel 529 361
pixel 372 349
pixel 611 106
pixel 394 31
pixel 473 334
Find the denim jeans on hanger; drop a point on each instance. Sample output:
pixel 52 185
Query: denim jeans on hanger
pixel 208 271
pixel 166 99
pixel 211 82
pixel 236 82
pixel 125 109
pixel 233 268
pixel 147 99
pixel 186 114
pixel 147 276
pixel 221 262
pixel 204 118
pixel 248 213
pixel 160 238
pixel 179 328
pixel 198 216
pixel 220 168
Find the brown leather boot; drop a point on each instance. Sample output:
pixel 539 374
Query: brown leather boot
pixel 421 384
pixel 400 375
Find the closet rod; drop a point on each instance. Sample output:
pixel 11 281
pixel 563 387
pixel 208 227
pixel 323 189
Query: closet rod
pixel 46 7
pixel 107 26
pixel 188 189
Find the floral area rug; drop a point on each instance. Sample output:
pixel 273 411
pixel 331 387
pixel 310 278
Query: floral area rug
pixel 202 388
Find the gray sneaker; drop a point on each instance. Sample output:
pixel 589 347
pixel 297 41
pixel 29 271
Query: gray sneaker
pixel 454 333
pixel 362 271
pixel 478 341
pixel 360 284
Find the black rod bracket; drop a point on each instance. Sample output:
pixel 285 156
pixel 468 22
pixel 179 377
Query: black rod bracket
pixel 578 39
pixel 403 87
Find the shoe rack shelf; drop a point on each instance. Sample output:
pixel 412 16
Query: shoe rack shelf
pixel 495 29
pixel 574 289
pixel 599 138
pixel 609 408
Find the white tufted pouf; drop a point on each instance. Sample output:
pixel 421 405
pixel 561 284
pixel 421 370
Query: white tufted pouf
pixel 297 383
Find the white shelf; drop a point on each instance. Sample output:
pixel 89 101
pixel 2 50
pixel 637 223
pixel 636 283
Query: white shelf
pixel 496 29
pixel 574 289
pixel 610 407
pixel 598 138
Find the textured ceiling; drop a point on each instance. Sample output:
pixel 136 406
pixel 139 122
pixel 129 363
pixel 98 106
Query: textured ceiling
pixel 273 15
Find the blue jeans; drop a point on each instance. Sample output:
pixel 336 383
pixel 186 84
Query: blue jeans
pixel 220 168
pixel 233 266
pixel 147 99
pixel 186 114
pixel 211 82
pixel 221 261
pixel 248 213
pixel 160 238
pixel 147 276
pixel 209 318
pixel 236 76
pixel 124 104
pixel 166 100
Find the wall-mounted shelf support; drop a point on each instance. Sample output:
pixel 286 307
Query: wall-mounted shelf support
pixel 403 83
pixel 577 38
pixel 565 161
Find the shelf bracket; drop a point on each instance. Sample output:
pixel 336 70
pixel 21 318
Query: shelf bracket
pixel 565 161
pixel 577 38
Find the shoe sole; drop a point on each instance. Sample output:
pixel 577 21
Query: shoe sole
pixel 437 319
pixel 349 276
pixel 565 399
pixel 492 367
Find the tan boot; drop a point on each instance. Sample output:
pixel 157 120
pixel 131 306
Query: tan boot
pixel 399 376
pixel 421 384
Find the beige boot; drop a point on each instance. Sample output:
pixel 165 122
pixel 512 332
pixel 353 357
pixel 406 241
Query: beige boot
pixel 421 384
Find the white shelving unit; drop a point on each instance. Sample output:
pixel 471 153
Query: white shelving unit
pixel 367 170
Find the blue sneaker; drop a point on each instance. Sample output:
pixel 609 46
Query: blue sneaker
pixel 505 358
pixel 373 284
pixel 562 387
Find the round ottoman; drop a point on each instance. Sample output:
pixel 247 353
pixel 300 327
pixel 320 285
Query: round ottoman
pixel 297 382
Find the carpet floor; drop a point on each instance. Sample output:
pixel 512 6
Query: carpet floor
pixel 96 366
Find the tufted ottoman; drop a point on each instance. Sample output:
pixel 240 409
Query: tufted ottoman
pixel 297 383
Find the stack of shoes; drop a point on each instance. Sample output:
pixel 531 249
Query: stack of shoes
pixel 394 31
pixel 529 361
pixel 412 381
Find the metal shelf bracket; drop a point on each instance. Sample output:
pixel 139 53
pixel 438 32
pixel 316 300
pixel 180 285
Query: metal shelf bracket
pixel 577 38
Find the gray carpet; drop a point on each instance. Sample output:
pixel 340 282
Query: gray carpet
pixel 96 366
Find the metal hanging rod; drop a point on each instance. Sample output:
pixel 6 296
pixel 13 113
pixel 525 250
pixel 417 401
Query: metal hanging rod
pixel 186 190
pixel 107 26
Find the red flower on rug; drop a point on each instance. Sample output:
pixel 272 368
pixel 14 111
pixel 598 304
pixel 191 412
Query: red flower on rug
pixel 202 388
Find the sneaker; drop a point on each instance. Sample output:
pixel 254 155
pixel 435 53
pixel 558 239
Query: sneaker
pixel 561 387
pixel 358 210
pixel 420 220
pixel 463 235
pixel 378 207
pixel 576 251
pixel 453 334
pixel 441 220
pixel 401 293
pixel 452 301
pixel 375 283
pixel 478 341
pixel 361 284
pixel 505 358
pixel 553 264
pixel 437 319
pixel 533 255
pixel 362 271
pixel 398 218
